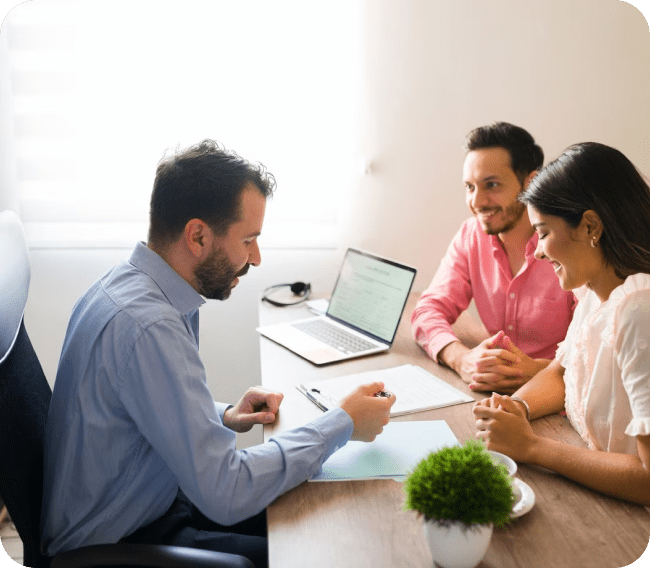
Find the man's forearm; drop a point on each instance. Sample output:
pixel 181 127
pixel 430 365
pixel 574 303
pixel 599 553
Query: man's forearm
pixel 452 355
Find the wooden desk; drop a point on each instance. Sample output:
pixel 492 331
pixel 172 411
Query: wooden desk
pixel 360 524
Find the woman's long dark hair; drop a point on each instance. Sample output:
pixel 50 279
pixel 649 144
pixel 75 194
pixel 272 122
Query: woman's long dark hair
pixel 594 176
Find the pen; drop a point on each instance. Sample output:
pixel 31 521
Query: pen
pixel 313 398
pixel 382 393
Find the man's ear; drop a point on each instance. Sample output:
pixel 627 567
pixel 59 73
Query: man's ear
pixel 591 227
pixel 197 238
pixel 529 178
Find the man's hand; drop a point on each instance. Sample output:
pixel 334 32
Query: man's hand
pixel 368 412
pixel 495 365
pixel 257 406
pixel 504 367
pixel 485 367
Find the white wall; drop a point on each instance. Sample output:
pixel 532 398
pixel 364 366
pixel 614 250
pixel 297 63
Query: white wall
pixel 566 70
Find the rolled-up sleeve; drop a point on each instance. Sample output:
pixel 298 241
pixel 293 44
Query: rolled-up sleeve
pixel 448 295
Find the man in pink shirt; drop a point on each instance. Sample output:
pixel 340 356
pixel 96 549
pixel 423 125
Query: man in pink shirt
pixel 490 259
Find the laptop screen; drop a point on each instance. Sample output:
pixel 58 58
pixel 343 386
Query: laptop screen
pixel 370 294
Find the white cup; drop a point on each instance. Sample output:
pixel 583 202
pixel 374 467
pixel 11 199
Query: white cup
pixel 499 458
pixel 511 465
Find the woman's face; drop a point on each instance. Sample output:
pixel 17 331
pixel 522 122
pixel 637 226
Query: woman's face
pixel 569 250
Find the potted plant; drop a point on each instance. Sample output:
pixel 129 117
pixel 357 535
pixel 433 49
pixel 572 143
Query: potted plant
pixel 462 493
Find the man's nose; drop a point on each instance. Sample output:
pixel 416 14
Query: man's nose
pixel 478 199
pixel 255 257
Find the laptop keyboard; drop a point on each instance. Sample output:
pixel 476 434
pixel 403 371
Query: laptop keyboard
pixel 334 336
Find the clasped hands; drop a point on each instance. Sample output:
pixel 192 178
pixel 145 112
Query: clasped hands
pixel 502 424
pixel 497 364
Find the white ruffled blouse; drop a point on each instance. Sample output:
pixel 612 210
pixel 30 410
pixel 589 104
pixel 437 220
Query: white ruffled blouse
pixel 606 356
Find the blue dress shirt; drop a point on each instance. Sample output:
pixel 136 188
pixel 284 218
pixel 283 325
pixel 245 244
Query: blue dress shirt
pixel 132 420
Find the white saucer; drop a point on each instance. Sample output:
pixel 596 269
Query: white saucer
pixel 526 499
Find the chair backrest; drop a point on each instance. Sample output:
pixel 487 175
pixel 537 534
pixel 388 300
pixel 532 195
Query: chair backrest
pixel 14 279
pixel 24 397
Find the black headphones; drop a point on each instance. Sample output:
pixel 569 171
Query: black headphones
pixel 298 288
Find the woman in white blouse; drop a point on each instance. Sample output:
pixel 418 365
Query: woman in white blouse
pixel 591 209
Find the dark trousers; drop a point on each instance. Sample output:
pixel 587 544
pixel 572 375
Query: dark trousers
pixel 184 525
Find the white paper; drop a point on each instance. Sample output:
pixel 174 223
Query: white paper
pixel 414 388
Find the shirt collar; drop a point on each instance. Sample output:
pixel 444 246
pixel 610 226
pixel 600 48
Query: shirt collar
pixel 530 246
pixel 180 293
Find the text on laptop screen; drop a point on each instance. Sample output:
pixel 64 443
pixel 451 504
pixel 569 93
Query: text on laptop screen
pixel 370 294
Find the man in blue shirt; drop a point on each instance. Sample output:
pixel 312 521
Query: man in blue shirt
pixel 136 449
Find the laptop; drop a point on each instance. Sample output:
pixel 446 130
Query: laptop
pixel 364 312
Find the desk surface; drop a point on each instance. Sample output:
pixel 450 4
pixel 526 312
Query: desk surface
pixel 362 523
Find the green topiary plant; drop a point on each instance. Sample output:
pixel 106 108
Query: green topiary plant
pixel 460 483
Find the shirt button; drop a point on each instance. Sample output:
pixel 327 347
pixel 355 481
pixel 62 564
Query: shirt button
pixel 510 328
pixel 512 294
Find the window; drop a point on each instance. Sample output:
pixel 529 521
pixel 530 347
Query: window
pixel 99 90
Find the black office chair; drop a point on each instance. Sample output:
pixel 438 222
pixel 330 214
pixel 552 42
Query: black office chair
pixel 24 400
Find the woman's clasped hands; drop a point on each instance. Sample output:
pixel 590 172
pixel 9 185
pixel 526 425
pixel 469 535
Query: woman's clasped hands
pixel 502 424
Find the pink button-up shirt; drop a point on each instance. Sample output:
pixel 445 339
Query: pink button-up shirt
pixel 530 307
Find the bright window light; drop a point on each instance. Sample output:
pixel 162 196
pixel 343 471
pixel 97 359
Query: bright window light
pixel 99 90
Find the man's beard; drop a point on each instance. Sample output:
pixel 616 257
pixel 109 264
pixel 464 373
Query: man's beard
pixel 513 213
pixel 215 275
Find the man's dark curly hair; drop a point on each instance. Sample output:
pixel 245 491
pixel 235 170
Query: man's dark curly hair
pixel 525 155
pixel 205 182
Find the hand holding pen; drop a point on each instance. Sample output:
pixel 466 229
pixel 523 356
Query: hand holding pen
pixel 369 407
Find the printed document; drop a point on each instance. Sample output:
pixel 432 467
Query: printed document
pixel 416 389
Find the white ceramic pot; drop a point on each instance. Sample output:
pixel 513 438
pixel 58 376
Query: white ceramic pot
pixel 455 545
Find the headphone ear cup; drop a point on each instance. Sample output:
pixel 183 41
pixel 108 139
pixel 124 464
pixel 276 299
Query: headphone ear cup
pixel 301 289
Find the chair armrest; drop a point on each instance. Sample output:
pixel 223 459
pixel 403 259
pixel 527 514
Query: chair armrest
pixel 147 555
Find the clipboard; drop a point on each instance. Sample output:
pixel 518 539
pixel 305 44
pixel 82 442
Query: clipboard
pixel 415 388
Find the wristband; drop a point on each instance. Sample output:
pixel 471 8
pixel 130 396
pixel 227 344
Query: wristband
pixel 517 399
